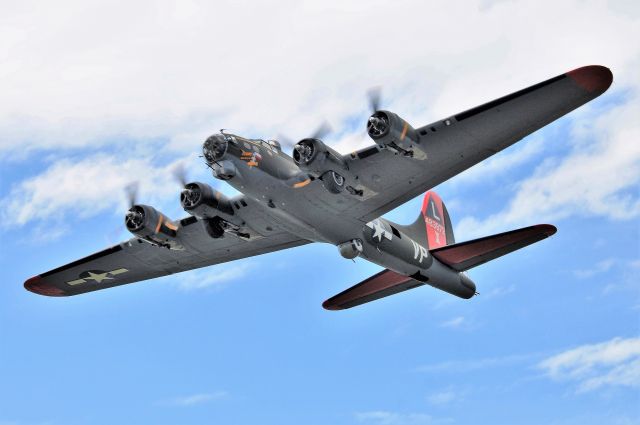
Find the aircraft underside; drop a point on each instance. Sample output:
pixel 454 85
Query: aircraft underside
pixel 320 195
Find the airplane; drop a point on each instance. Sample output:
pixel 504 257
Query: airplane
pixel 320 195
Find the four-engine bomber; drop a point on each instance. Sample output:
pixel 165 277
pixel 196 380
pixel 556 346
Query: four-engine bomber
pixel 320 195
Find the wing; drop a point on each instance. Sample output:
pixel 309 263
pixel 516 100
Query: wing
pixel 461 141
pixel 465 255
pixel 137 260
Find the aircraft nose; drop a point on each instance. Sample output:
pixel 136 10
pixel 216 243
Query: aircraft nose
pixel 214 148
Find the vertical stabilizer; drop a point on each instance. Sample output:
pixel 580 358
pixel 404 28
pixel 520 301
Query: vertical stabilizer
pixel 433 225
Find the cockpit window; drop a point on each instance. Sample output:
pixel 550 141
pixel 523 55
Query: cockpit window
pixel 275 144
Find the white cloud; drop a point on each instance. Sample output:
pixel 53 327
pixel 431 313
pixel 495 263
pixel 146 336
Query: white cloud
pixel 71 77
pixel 86 187
pixel 382 417
pixel 600 267
pixel 598 178
pixel 194 399
pixel 499 164
pixel 442 397
pixel 466 366
pixel 498 292
pixel 610 363
pixel 454 323
pixel 213 277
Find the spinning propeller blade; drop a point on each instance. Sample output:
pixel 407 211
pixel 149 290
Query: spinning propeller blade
pixel 131 191
pixel 375 98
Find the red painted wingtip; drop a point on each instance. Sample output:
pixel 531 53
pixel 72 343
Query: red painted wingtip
pixel 328 305
pixel 547 229
pixel 592 78
pixel 38 286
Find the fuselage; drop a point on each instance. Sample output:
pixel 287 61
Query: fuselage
pixel 270 178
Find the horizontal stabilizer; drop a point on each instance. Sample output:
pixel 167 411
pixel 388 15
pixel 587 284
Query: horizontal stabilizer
pixel 465 255
pixel 377 286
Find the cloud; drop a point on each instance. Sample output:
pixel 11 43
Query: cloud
pixel 71 79
pixel 70 83
pixel 466 366
pixel 503 163
pixel 86 187
pixel 593 366
pixel 216 277
pixel 597 178
pixel 600 267
pixel 499 291
pixel 442 397
pixel 454 323
pixel 382 417
pixel 194 399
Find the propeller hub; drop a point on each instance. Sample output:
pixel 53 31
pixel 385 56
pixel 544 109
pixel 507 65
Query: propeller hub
pixel 190 197
pixel 378 124
pixel 134 219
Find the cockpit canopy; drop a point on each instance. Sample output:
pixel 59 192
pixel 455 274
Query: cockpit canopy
pixel 275 144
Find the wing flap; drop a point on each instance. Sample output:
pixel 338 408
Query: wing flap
pixel 465 255
pixel 378 286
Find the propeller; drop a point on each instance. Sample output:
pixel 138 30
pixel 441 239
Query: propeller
pixel 374 95
pixel 191 193
pixel 378 122
pixel 135 215
pixel 323 130
pixel 180 174
pixel 131 191
pixel 285 141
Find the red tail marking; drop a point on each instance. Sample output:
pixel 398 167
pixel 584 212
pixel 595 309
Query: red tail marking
pixel 433 214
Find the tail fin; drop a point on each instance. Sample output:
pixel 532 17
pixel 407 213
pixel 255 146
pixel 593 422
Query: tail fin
pixel 433 225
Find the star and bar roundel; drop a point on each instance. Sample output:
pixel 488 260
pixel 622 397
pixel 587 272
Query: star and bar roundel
pixel 96 276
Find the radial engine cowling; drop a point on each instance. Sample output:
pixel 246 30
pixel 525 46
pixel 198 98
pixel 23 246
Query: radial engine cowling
pixel 389 130
pixel 316 158
pixel 202 201
pixel 151 225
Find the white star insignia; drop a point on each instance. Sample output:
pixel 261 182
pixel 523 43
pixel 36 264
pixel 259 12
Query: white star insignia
pixel 378 230
pixel 98 277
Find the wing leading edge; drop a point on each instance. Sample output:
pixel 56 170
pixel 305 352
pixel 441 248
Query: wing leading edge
pixel 135 260
pixel 458 142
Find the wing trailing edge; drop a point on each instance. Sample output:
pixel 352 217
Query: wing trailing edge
pixel 465 255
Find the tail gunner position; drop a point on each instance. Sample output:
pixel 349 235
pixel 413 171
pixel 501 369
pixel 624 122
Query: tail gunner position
pixel 319 195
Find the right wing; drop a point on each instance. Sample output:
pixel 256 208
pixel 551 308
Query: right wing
pixel 456 143
pixel 136 260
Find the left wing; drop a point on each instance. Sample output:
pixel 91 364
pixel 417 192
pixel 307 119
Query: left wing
pixel 136 260
pixel 462 140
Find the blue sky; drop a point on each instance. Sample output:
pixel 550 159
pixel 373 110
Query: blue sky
pixel 97 98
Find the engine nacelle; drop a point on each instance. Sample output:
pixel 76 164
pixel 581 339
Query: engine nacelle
pixel 202 201
pixel 388 130
pixel 316 158
pixel 149 224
